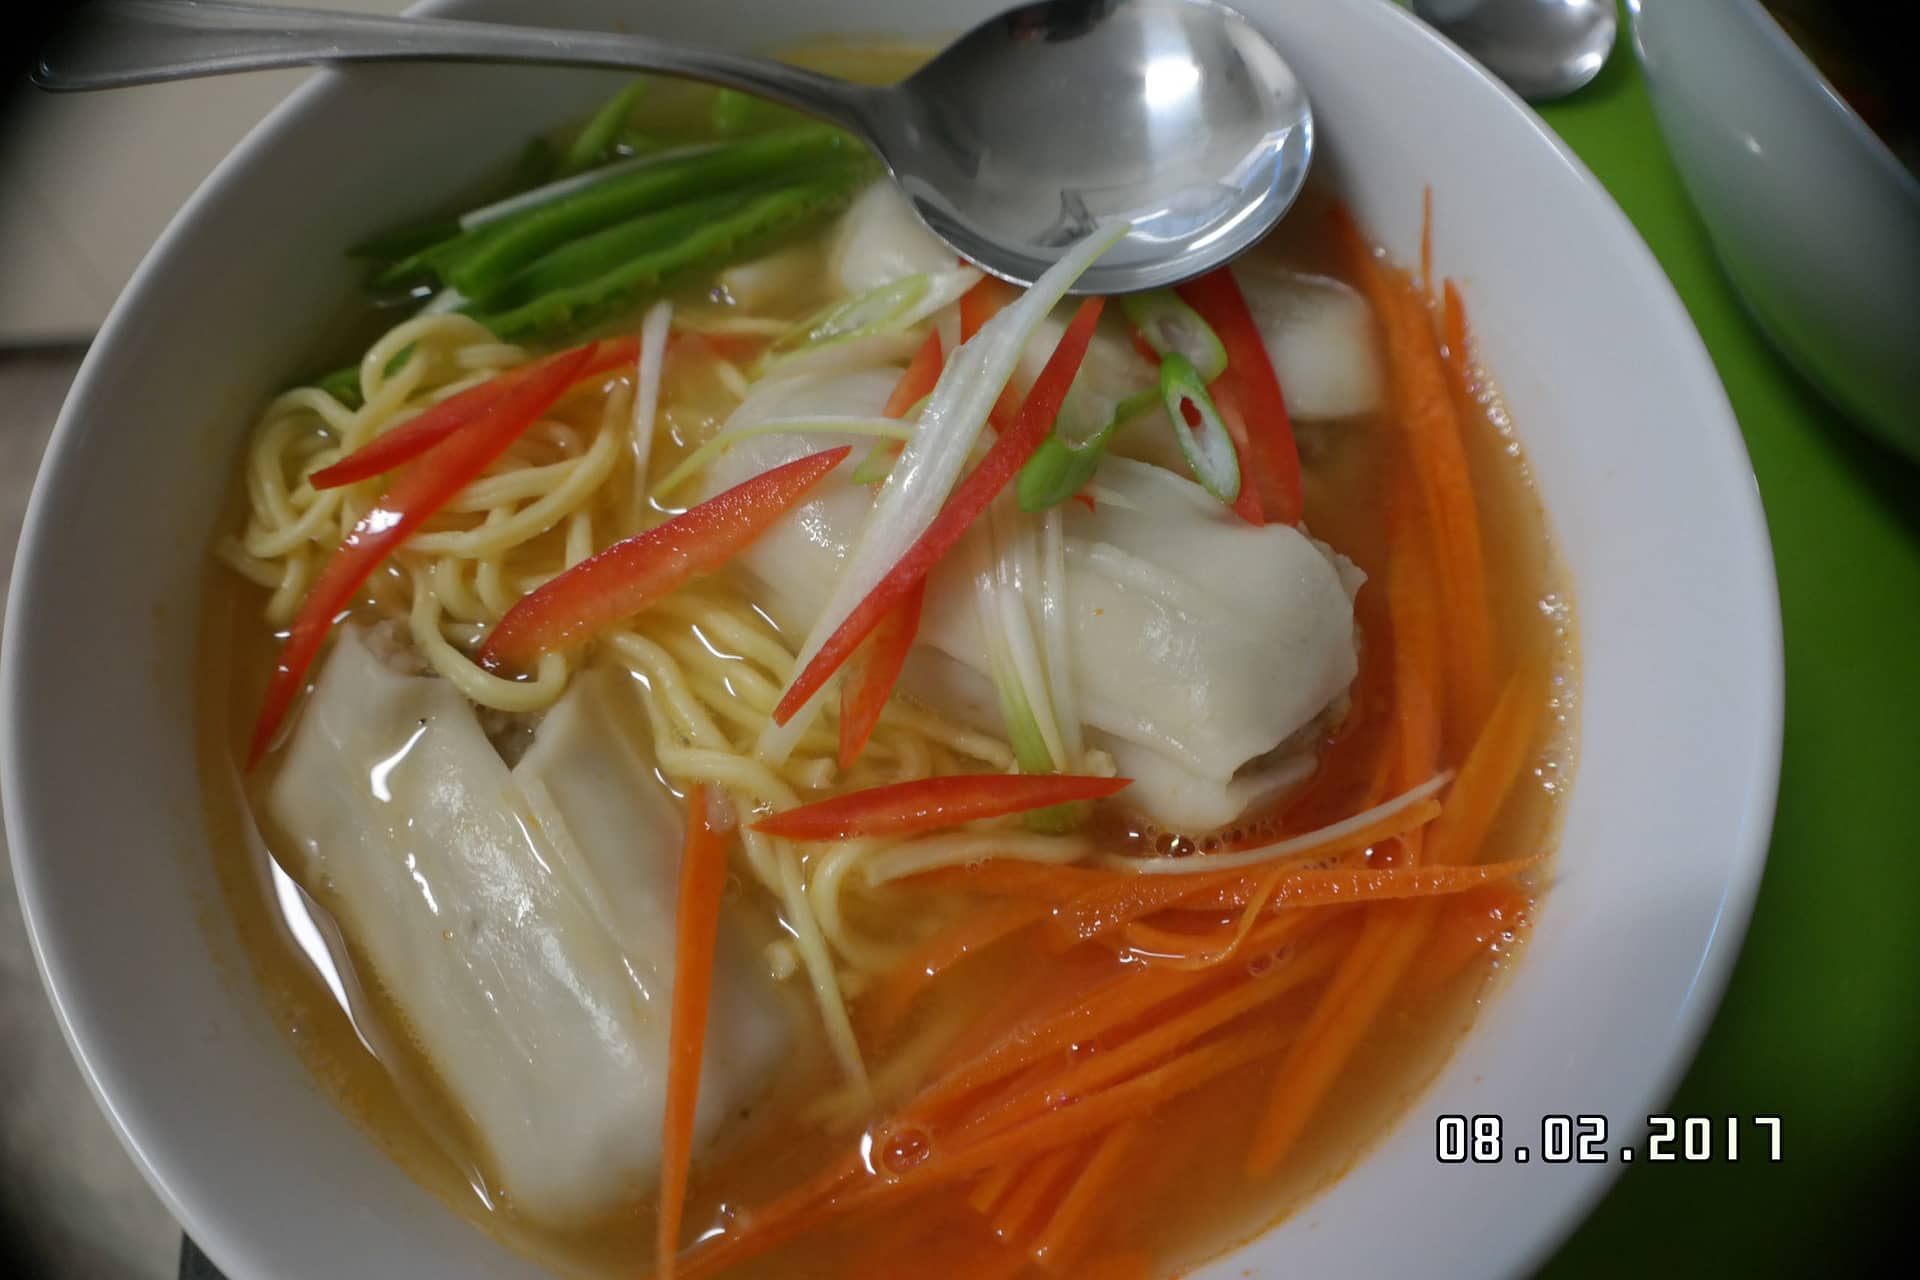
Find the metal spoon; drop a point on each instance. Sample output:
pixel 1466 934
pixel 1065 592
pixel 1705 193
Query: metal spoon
pixel 1544 49
pixel 1015 142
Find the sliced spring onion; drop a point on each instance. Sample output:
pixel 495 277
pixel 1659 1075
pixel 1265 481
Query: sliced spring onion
pixel 1056 642
pixel 876 466
pixel 1062 467
pixel 931 463
pixel 1207 446
pixel 649 368
pixel 878 463
pixel 597 136
pixel 891 308
pixel 944 288
pixel 1169 325
pixel 1014 578
pixel 860 351
pixel 701 458
pixel 871 312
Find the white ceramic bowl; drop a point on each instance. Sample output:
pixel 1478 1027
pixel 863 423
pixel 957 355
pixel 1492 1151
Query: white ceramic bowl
pixel 1812 215
pixel 1644 477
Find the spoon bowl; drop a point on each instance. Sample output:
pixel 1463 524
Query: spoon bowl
pixel 1543 49
pixel 1176 117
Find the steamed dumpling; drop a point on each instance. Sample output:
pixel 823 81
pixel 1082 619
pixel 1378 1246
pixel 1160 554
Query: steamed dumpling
pixel 1199 642
pixel 1319 334
pixel 879 239
pixel 519 921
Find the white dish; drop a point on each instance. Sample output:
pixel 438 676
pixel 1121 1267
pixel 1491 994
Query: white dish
pixel 1812 215
pixel 1644 478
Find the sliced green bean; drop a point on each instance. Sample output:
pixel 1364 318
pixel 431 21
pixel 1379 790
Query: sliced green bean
pixel 590 257
pixel 403 242
pixel 503 248
pixel 638 142
pixel 736 112
pixel 483 258
pixel 759 224
pixel 596 138
pixel 343 385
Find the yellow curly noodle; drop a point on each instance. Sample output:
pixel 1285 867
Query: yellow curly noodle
pixel 708 666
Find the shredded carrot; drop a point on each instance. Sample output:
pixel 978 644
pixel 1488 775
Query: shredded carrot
pixel 1032 1192
pixel 1013 878
pixel 1203 951
pixel 1131 1264
pixel 1061 1237
pixel 1161 1040
pixel 873 670
pixel 1178 945
pixel 943 1249
pixel 1126 897
pixel 1425 405
pixel 1487 775
pixel 992 1188
pixel 1426 238
pixel 1425 665
pixel 1191 1069
pixel 1418 702
pixel 1359 990
pixel 1395 933
pixel 798 1213
pixel 1454 338
pixel 1024 1046
pixel 883 1007
pixel 1113 1003
pixel 924 804
pixel 703 877
pixel 1055 992
pixel 1467 928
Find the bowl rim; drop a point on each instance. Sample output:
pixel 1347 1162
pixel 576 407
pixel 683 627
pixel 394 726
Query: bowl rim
pixel 1749 830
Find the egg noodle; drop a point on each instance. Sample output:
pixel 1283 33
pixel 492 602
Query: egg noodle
pixel 707 666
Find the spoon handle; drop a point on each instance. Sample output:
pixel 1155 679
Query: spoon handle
pixel 110 44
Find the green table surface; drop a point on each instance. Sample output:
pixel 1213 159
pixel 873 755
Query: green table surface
pixel 1821 1022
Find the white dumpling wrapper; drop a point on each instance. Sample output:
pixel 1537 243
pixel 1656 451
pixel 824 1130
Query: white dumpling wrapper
pixel 1200 643
pixel 526 943
pixel 1319 334
pixel 879 239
